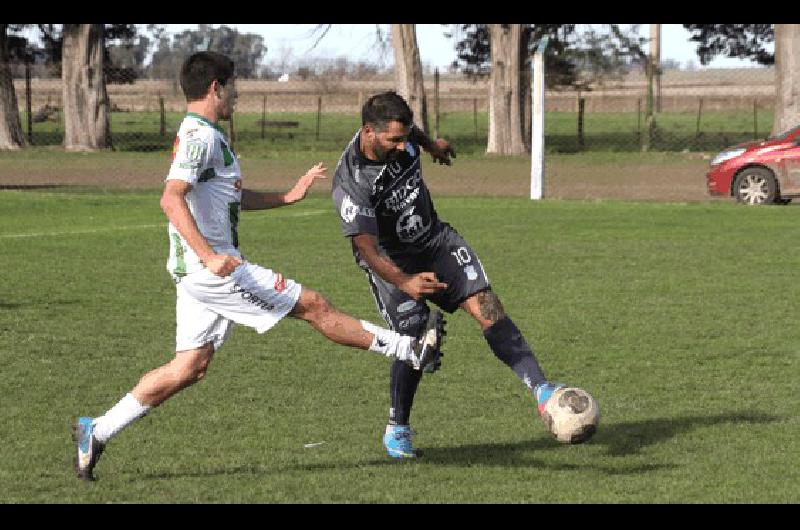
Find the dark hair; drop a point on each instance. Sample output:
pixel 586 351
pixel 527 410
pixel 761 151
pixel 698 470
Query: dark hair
pixel 200 69
pixel 385 107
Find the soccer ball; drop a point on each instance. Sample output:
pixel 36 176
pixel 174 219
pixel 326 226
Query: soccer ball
pixel 571 415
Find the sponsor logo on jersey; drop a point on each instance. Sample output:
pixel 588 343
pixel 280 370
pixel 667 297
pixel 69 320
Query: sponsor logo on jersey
pixel 280 283
pixel 350 210
pixel 410 226
pixel 404 195
pixel 471 273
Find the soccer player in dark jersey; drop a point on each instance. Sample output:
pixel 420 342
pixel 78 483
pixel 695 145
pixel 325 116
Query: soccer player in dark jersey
pixel 410 256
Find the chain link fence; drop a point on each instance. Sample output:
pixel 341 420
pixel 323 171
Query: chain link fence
pixel 695 112
pixel 702 110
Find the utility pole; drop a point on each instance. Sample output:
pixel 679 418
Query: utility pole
pixel 655 58
pixel 652 67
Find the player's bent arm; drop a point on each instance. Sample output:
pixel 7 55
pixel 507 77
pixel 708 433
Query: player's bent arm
pixel 173 203
pixel 415 285
pixel 254 200
pixel 440 149
pixel 380 263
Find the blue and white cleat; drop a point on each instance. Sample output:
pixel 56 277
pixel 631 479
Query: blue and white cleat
pixel 397 441
pixel 543 391
pixel 88 448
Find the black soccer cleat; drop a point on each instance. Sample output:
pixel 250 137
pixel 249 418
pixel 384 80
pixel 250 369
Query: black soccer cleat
pixel 88 449
pixel 429 342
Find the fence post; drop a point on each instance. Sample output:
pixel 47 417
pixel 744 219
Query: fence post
pixel 699 114
pixel 264 117
pixel 639 119
pixel 755 119
pixel 319 113
pixel 649 119
pixel 163 129
pixel 436 102
pixel 581 105
pixel 28 104
pixel 475 116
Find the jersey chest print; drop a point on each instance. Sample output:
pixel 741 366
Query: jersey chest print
pixel 399 201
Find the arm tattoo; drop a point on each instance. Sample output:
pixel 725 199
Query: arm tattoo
pixel 491 308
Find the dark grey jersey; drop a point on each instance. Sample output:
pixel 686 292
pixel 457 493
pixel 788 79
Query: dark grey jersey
pixel 389 201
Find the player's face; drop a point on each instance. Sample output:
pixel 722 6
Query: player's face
pixel 226 99
pixel 388 143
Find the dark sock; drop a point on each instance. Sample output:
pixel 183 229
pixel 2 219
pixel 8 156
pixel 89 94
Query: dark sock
pixel 403 386
pixel 510 346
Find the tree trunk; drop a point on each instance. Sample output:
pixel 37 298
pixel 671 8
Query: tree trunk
pixel 86 110
pixel 787 77
pixel 408 71
pixel 506 91
pixel 11 136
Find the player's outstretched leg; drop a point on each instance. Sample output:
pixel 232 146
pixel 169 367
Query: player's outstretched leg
pixel 348 331
pixel 508 344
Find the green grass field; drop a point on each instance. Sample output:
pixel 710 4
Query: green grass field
pixel 679 318
pixel 603 131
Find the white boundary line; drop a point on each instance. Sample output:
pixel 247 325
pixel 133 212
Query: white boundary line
pixel 133 227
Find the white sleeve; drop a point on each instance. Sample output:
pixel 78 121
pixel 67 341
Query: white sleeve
pixel 192 156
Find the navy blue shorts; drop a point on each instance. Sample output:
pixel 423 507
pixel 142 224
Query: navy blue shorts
pixel 453 261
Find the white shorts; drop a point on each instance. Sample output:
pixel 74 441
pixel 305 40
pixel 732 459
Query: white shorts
pixel 207 305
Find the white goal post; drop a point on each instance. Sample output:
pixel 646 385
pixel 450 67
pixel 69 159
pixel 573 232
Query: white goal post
pixel 537 119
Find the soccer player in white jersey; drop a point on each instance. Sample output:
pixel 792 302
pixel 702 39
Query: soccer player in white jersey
pixel 216 286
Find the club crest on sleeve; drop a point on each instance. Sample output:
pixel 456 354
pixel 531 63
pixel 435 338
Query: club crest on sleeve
pixel 195 150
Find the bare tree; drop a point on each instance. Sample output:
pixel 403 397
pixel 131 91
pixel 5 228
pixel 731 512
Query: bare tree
pixel 408 71
pixel 787 77
pixel 86 108
pixel 508 92
pixel 11 136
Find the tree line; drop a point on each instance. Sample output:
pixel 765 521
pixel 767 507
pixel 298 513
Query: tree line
pixel 91 55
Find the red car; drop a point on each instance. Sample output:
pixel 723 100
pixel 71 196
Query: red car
pixel 760 172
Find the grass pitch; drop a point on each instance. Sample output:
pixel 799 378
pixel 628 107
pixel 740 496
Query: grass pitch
pixel 679 318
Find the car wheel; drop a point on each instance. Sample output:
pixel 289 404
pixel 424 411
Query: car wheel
pixel 756 185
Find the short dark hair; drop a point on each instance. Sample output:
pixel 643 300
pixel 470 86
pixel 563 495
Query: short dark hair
pixel 382 108
pixel 200 69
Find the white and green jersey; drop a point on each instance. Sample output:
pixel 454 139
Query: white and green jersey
pixel 202 157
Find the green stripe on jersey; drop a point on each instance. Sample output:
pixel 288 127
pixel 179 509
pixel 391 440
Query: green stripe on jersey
pixel 226 155
pixel 207 175
pixel 180 261
pixel 205 120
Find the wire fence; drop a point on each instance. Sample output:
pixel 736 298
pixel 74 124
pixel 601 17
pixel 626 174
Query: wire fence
pixel 693 110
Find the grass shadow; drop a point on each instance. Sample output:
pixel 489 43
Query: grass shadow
pixel 623 439
pixel 619 439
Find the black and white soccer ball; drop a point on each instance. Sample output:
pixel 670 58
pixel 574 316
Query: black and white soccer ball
pixel 571 415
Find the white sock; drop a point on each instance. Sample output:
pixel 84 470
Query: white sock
pixel 125 412
pixel 388 342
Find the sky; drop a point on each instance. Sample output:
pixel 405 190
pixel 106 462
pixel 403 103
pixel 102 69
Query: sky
pixel 357 42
